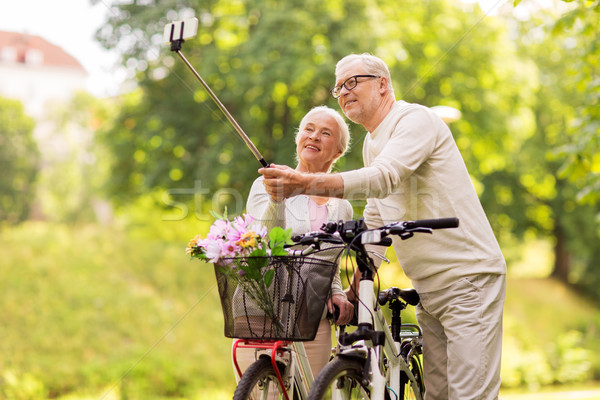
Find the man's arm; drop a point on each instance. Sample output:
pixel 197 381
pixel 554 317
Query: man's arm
pixel 282 182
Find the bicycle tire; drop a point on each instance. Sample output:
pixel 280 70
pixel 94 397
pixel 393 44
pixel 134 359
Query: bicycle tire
pixel 259 376
pixel 407 390
pixel 346 374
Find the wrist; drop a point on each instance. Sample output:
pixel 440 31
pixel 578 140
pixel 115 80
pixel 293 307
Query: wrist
pixel 305 183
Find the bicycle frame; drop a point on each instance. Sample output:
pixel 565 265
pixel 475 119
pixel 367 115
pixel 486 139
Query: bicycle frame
pixel 391 348
pixel 368 312
pixel 292 354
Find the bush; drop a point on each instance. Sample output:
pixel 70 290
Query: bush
pixel 91 308
pixel 549 335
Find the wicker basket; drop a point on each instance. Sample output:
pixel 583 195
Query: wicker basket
pixel 290 308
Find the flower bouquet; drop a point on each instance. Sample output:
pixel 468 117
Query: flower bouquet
pixel 240 250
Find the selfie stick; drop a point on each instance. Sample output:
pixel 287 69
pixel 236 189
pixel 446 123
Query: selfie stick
pixel 176 33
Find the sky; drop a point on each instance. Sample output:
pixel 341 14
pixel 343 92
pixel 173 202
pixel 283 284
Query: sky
pixel 69 24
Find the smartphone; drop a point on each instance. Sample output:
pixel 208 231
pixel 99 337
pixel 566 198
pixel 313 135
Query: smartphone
pixel 180 30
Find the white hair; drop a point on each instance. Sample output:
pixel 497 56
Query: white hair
pixel 373 66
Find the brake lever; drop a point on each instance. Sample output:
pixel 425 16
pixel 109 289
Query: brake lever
pixel 380 256
pixel 410 232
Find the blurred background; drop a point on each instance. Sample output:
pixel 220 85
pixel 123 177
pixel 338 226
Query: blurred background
pixel 112 156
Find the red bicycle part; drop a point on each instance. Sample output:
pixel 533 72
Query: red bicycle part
pixel 277 348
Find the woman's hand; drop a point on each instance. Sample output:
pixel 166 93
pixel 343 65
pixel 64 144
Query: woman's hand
pixel 346 308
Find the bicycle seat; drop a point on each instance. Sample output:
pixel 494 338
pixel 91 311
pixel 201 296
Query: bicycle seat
pixel 408 295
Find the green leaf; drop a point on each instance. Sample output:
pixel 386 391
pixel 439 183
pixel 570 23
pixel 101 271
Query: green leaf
pixel 255 265
pixel 278 251
pixel 216 215
pixel 269 277
pixel 277 238
pixel 259 253
pixel 276 235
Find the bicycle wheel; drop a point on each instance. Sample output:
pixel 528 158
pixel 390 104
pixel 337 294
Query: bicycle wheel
pixel 259 382
pixel 340 379
pixel 407 390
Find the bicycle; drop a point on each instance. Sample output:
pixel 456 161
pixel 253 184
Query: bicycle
pixel 281 370
pixel 376 361
pixel 300 287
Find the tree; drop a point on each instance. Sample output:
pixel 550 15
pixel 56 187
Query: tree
pixel 581 26
pixel 534 194
pixel 19 158
pixel 269 62
pixel 71 182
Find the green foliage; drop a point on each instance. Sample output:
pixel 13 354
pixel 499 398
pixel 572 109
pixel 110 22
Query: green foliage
pixel 530 194
pixel 92 312
pixel 278 237
pixel 70 185
pixel 269 63
pixel 95 309
pixel 580 28
pixel 550 335
pixel 19 158
pixel 24 387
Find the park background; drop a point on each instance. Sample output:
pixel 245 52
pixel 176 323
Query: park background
pixel 98 297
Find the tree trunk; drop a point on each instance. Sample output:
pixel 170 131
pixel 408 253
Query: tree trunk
pixel 562 259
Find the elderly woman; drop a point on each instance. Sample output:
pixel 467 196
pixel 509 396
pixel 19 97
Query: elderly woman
pixel 321 139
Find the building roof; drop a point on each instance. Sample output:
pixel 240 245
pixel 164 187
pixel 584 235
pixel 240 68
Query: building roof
pixel 34 50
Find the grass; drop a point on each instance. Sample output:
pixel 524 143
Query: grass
pixel 588 391
pixel 90 308
pixel 92 312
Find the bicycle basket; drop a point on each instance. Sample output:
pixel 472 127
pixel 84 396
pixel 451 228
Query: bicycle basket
pixel 275 298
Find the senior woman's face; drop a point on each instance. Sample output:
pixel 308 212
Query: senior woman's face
pixel 318 143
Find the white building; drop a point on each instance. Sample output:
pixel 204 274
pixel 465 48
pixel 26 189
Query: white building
pixel 37 72
pixel 43 76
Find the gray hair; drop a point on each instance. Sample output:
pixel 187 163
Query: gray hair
pixel 373 66
pixel 344 143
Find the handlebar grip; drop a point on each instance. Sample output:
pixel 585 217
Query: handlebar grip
pixel 386 241
pixel 440 223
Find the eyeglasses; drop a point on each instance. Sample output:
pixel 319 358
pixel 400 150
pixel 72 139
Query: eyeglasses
pixel 349 84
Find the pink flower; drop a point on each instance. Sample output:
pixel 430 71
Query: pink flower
pixel 242 223
pixel 240 226
pixel 229 249
pixel 260 230
pixel 213 250
pixel 234 235
pixel 200 242
pixel 220 229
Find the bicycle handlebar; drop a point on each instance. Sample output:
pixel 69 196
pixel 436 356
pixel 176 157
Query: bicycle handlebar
pixel 441 223
pixel 347 232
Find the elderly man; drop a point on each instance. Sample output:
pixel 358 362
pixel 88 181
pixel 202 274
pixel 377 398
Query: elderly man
pixel 413 170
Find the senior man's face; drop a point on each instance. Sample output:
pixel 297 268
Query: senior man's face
pixel 357 103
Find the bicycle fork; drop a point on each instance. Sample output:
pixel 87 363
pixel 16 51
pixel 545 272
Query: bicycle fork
pixel 365 332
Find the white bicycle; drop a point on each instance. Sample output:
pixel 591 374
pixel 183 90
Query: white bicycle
pixel 378 361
